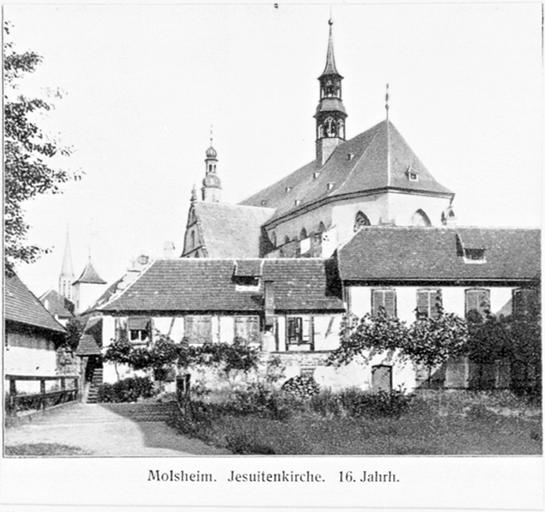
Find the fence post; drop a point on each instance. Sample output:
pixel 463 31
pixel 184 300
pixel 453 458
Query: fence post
pixel 42 392
pixel 12 401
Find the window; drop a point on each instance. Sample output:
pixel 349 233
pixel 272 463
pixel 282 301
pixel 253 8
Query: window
pixel 420 218
pixel 273 238
pixel 299 330
pixel 198 329
pixel 474 256
pixel 286 239
pixel 386 299
pixel 139 329
pixel 381 377
pixel 428 303
pixel 361 221
pixel 303 234
pixel 247 328
pixel 477 303
pixel 322 228
pixel 192 235
pixel 525 303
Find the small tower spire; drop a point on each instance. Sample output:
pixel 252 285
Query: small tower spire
pixel 330 114
pixel 66 276
pixel 211 184
pixel 194 193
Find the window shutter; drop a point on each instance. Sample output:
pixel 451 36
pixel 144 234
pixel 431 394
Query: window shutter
pixel 189 328
pixel 306 329
pixel 525 302
pixel 436 300
pixel 422 303
pixel 477 300
pixel 377 301
pixel 390 302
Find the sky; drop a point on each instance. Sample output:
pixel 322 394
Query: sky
pixel 142 84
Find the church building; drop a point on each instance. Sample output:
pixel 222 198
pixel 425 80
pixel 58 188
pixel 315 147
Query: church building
pixel 372 179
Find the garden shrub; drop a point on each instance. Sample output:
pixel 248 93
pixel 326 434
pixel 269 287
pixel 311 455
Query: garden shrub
pixel 301 387
pixel 359 403
pixel 240 444
pixel 326 403
pixel 126 390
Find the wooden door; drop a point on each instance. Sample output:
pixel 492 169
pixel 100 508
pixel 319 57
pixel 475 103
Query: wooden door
pixel 381 378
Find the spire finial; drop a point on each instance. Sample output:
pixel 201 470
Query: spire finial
pixel 211 134
pixel 387 101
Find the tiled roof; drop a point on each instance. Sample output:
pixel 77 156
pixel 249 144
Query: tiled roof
pixel 193 284
pixel 56 304
pixel 21 305
pixel 231 231
pixel 87 346
pixel 89 275
pixel 355 166
pixel 413 253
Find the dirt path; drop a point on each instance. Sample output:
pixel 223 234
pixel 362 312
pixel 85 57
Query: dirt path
pixel 116 430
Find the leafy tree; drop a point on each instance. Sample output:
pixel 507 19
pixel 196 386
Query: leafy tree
pixel 74 328
pixel 28 154
pixel 432 341
pixel 368 336
pixel 119 351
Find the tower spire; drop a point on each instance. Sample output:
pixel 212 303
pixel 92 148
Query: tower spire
pixel 330 114
pixel 330 67
pixel 211 184
pixel 66 276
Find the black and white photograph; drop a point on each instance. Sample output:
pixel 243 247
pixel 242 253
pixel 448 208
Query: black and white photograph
pixel 261 234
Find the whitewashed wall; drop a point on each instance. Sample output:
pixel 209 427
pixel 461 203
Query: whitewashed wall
pixel 359 299
pixel 27 354
pixel 86 294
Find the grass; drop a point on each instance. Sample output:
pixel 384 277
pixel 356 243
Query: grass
pixel 42 450
pixel 436 423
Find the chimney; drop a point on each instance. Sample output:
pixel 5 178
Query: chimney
pixel 268 293
pixel 169 250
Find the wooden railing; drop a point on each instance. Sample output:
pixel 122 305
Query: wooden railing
pixel 17 400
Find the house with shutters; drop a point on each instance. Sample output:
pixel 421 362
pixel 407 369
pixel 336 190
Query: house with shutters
pixel 292 308
pixel 414 272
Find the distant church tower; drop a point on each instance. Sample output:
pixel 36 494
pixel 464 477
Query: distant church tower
pixel 66 277
pixel 87 288
pixel 211 184
pixel 330 113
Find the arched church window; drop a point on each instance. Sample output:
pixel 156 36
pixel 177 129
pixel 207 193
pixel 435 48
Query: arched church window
pixel 303 234
pixel 420 218
pixel 273 238
pixel 322 228
pixel 361 220
pixel 192 236
pixel 286 239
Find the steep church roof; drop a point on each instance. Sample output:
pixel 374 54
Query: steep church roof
pixel 22 306
pixel 89 275
pixel 231 231
pixel 374 160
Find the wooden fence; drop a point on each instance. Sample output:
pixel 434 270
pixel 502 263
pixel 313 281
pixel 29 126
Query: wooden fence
pixel 17 400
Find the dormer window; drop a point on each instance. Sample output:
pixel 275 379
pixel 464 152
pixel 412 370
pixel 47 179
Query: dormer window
pixel 247 274
pixel 316 174
pixel 474 255
pixel 297 202
pixel 263 202
pixel 350 156
pixel 411 174
pixel 470 245
pixel 330 185
pixel 288 189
